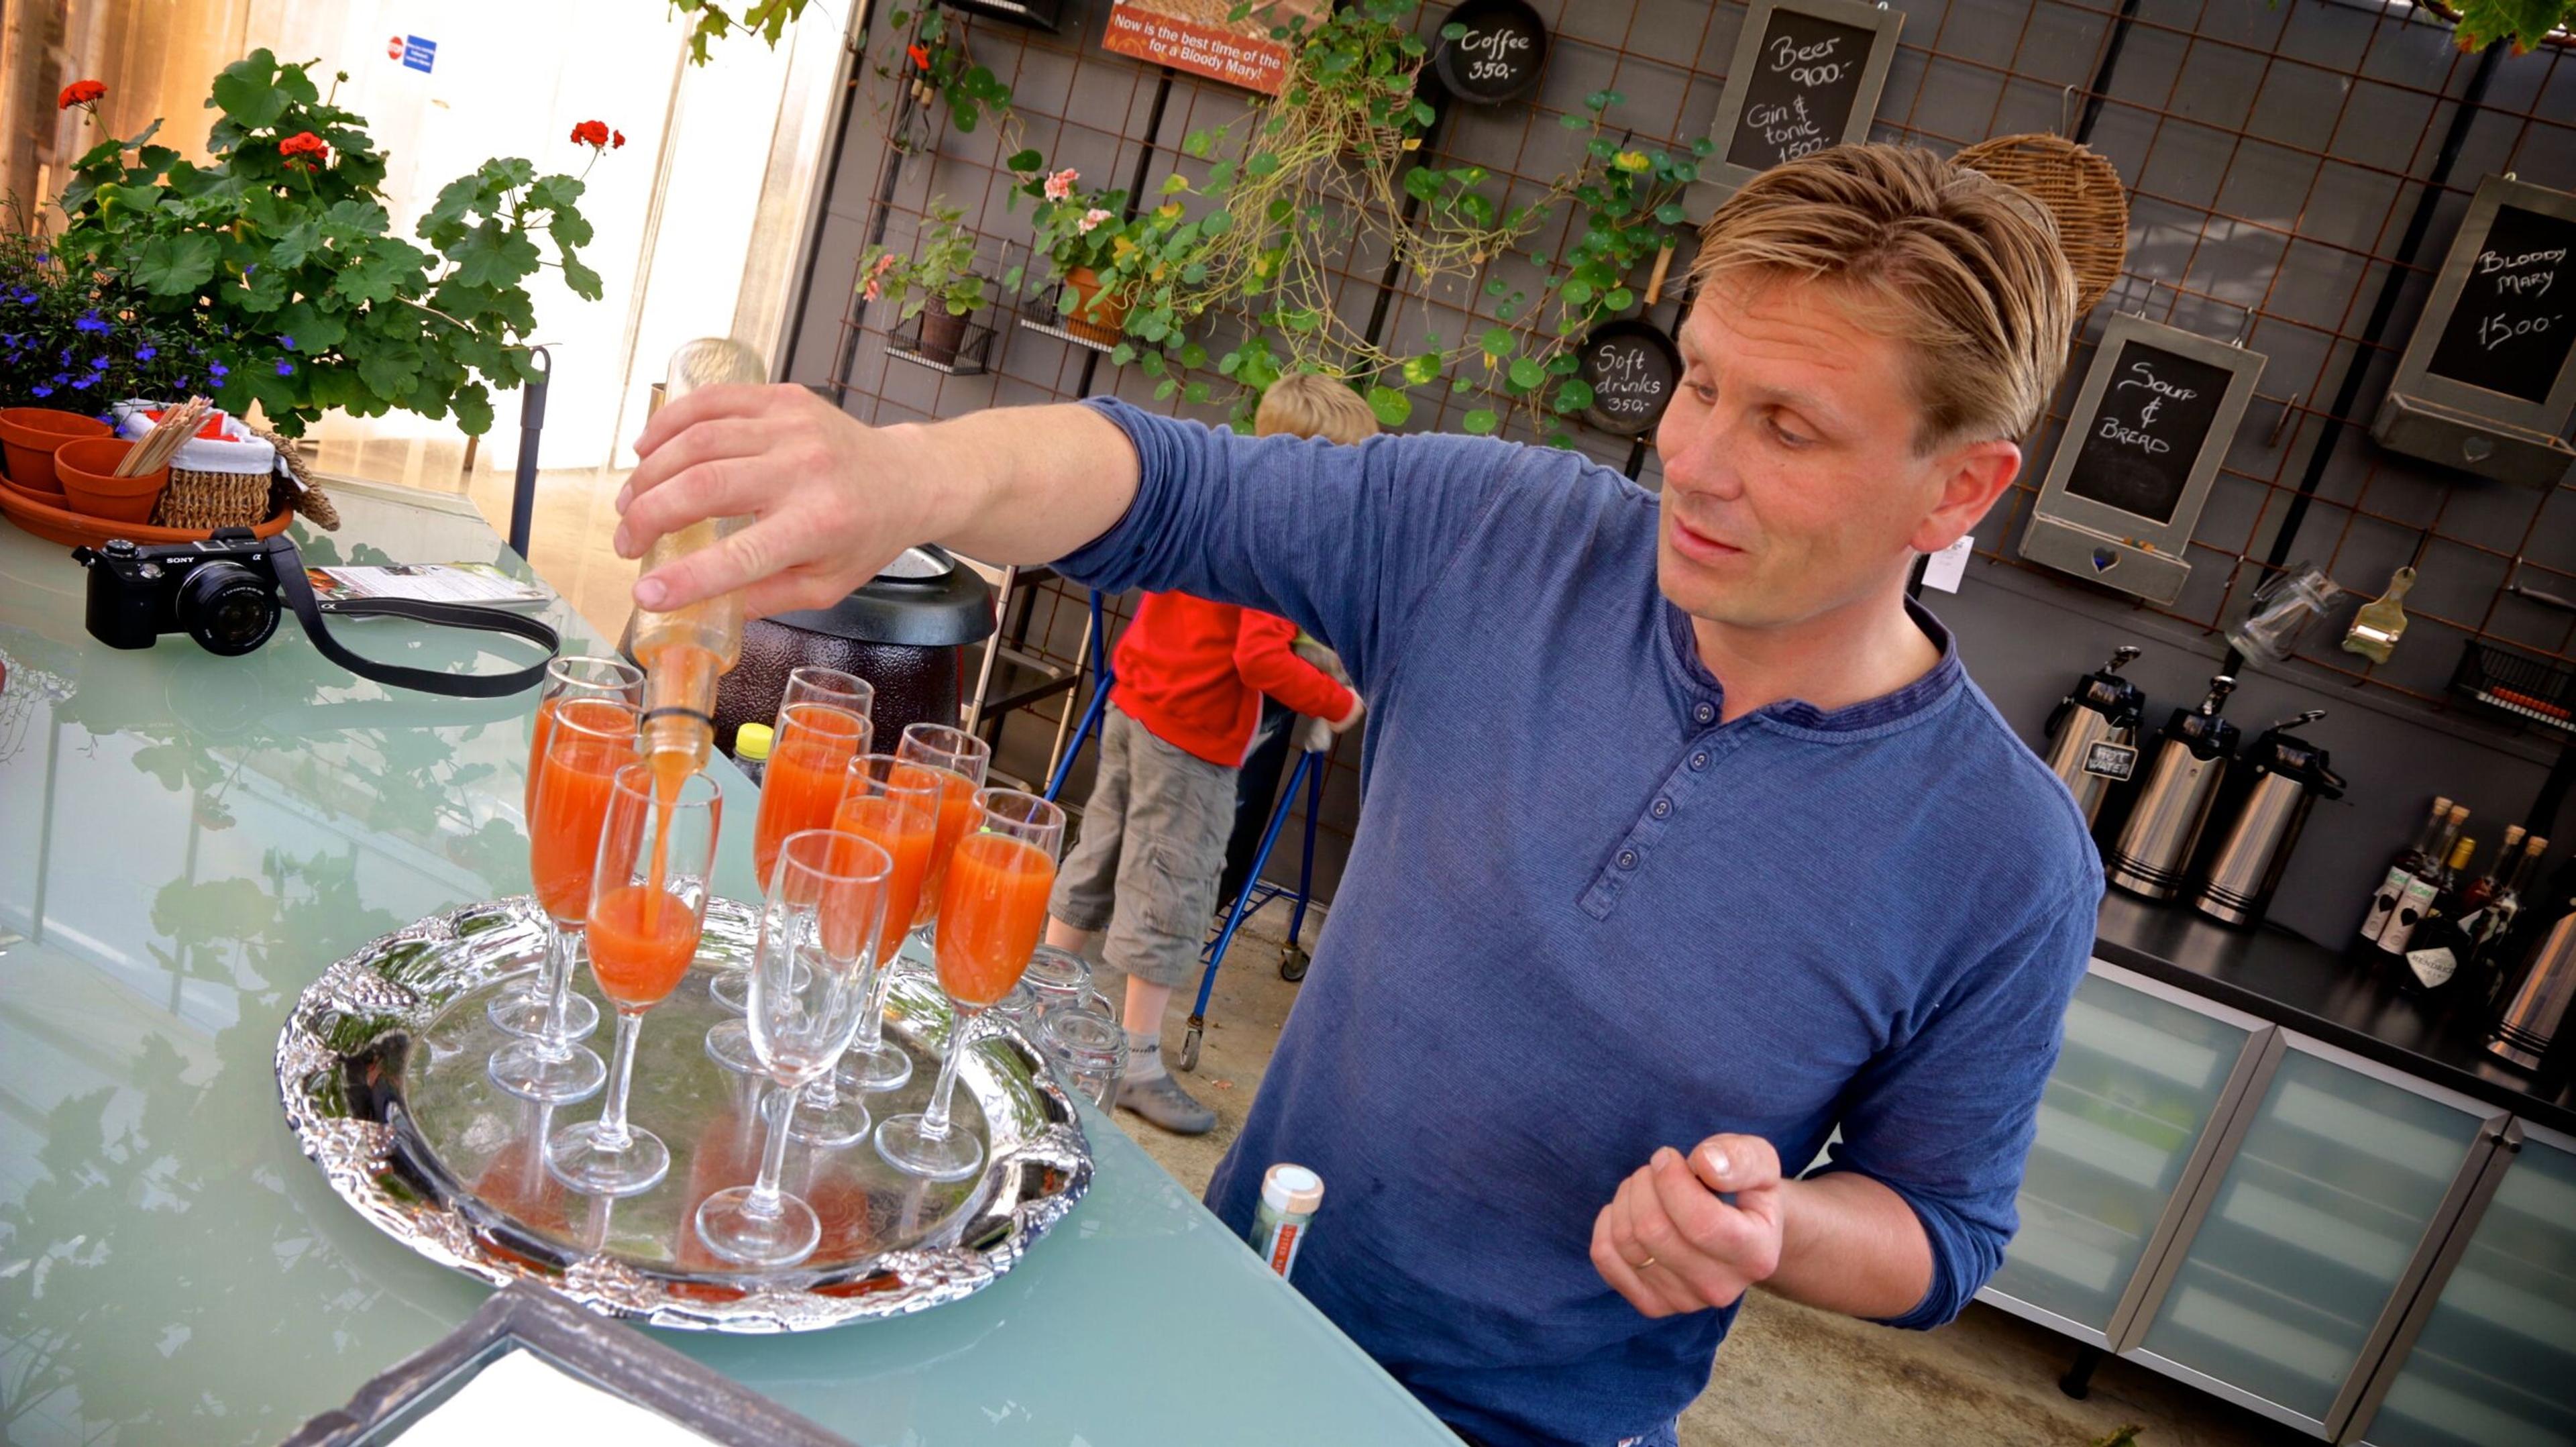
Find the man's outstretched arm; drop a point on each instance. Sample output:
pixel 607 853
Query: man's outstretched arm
pixel 833 500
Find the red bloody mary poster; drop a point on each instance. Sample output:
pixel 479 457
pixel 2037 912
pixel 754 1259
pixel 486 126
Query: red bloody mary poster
pixel 1196 36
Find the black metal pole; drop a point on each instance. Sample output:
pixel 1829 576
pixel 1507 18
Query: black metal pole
pixel 532 426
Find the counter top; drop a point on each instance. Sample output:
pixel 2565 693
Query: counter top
pixel 2329 996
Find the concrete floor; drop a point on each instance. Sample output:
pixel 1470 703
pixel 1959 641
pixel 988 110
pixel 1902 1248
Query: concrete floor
pixel 1788 1376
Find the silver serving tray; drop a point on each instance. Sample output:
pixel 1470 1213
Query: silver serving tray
pixel 381 1068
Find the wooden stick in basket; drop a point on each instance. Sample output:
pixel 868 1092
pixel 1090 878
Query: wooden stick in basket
pixel 176 426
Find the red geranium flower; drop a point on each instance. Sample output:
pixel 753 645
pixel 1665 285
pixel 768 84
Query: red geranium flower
pixel 80 93
pixel 591 133
pixel 616 140
pixel 300 145
pixel 920 57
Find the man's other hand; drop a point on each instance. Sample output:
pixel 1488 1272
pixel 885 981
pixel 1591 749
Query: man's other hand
pixel 1669 1243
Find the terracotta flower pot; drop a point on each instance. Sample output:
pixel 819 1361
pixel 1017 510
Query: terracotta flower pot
pixel 28 437
pixel 87 468
pixel 1088 314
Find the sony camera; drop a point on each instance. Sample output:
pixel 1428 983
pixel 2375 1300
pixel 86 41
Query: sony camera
pixel 223 592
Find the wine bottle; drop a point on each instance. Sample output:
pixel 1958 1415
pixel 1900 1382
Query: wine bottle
pixel 2393 888
pixel 2439 942
pixel 2495 928
pixel 2423 885
pixel 2477 893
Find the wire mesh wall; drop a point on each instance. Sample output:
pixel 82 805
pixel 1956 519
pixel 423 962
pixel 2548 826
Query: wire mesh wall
pixel 2276 156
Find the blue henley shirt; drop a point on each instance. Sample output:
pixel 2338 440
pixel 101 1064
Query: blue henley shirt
pixel 1583 919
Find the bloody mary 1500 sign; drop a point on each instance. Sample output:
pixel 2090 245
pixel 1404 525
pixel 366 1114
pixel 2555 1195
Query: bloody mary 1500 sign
pixel 2488 381
pixel 1806 75
pixel 2509 332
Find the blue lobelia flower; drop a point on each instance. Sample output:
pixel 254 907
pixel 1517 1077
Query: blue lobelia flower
pixel 41 390
pixel 145 354
pixel 285 368
pixel 286 341
pixel 218 371
pixel 90 321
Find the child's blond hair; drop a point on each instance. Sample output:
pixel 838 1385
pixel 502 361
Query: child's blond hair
pixel 1310 404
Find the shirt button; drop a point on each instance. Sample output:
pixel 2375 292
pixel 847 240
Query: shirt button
pixel 1627 859
pixel 1699 761
pixel 1662 808
pixel 1704 712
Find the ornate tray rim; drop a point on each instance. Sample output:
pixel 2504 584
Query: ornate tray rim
pixel 356 1157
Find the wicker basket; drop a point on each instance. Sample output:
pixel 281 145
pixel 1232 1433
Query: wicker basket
pixel 2080 189
pixel 201 501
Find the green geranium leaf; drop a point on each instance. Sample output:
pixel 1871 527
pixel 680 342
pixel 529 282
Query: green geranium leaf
pixel 176 265
pixel 473 409
pixel 493 254
pixel 582 281
pixel 247 91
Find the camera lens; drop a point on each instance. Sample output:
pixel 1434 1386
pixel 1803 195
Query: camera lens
pixel 227 608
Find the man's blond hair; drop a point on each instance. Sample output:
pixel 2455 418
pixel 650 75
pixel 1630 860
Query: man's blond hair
pixel 1310 404
pixel 1947 260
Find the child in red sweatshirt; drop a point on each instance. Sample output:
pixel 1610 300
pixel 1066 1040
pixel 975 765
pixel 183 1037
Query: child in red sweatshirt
pixel 1190 679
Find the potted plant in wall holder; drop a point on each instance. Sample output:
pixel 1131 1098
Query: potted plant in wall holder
pixel 936 286
pixel 1078 232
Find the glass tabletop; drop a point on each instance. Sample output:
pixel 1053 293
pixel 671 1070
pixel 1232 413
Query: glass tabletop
pixel 186 841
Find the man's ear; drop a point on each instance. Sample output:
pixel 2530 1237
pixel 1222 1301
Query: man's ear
pixel 1973 475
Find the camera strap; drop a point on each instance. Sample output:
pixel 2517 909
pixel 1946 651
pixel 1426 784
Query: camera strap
pixel 289 571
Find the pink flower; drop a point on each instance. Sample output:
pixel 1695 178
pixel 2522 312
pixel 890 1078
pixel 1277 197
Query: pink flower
pixel 1090 219
pixel 872 288
pixel 1060 185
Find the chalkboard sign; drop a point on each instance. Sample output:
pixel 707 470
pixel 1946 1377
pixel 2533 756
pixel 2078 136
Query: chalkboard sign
pixel 2509 332
pixel 2140 445
pixel 2488 381
pixel 1805 80
pixel 1806 75
pixel 1491 51
pixel 2143 442
pixel 1632 368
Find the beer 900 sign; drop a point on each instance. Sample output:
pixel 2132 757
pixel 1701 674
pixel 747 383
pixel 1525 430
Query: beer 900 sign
pixel 1806 75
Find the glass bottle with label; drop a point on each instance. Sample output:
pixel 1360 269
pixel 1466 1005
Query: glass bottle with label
pixel 2409 876
pixel 2439 943
pixel 2494 949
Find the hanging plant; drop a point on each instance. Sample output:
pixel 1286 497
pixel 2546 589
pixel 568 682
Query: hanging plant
pixel 933 64
pixel 711 21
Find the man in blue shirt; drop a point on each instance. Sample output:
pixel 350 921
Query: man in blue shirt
pixel 1687 842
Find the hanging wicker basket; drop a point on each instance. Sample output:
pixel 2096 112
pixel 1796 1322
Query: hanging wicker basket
pixel 2080 189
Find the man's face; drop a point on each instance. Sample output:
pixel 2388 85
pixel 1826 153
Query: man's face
pixel 1791 483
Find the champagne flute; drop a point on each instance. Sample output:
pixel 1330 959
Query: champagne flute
pixel 523 1011
pixel 822 725
pixel 810 978
pixel 992 909
pixel 822 722
pixel 895 806
pixel 588 741
pixel 964 759
pixel 648 902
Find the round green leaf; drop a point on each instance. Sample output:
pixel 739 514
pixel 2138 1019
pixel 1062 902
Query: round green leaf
pixel 1481 422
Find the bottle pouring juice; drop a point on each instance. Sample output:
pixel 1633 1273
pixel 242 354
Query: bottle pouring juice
pixel 686 650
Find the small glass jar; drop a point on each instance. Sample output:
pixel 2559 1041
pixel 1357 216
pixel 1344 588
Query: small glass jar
pixel 1059 978
pixel 1020 1008
pixel 1088 1051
